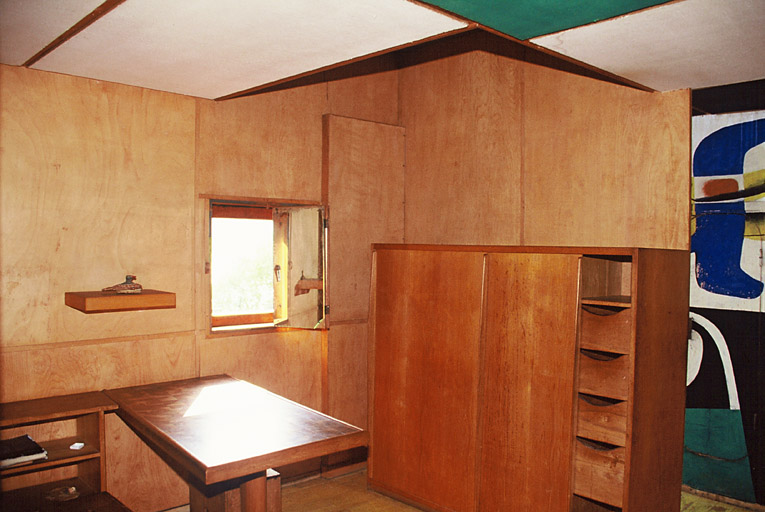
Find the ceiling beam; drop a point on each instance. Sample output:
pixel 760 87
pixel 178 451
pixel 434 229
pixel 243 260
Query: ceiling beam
pixel 314 72
pixel 75 29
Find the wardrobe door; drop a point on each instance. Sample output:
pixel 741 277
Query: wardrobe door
pixel 529 340
pixel 426 320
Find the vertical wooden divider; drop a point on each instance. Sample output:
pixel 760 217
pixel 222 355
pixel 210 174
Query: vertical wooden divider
pixel 575 387
pixel 325 141
pixel 371 358
pixel 325 405
pixel 481 383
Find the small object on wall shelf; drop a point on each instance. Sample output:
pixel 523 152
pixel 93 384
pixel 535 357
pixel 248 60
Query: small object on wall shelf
pixel 129 286
pixel 111 301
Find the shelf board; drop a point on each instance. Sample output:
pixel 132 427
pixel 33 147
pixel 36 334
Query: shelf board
pixel 59 454
pixel 54 407
pixel 35 498
pixel 105 302
pixel 619 301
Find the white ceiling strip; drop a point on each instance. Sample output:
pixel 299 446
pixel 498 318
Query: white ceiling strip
pixel 212 48
pixel 688 44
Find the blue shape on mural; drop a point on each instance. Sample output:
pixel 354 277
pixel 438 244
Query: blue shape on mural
pixel 719 233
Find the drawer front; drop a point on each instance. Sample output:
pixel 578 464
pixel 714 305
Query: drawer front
pixel 608 376
pixel 599 472
pixel 602 420
pixel 610 332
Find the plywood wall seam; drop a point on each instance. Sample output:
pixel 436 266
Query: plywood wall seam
pixel 361 119
pixel 325 149
pixel 90 342
pixel 199 236
pixel 352 321
pixel 403 192
pixel 522 167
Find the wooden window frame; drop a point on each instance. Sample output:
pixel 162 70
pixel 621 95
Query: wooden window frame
pixel 292 288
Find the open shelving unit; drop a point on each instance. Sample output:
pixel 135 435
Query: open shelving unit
pixel 629 383
pixel 604 376
pixel 56 423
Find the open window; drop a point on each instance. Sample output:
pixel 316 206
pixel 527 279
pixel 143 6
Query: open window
pixel 266 265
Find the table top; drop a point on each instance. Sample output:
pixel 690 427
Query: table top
pixel 219 428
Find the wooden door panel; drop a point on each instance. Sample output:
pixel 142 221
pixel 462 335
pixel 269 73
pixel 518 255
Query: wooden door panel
pixel 427 315
pixel 528 377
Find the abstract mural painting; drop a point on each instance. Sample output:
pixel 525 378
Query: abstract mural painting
pixel 725 404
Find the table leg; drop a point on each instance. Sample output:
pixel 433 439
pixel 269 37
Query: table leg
pixel 198 502
pixel 253 494
pixel 239 498
pixel 273 491
pixel 250 496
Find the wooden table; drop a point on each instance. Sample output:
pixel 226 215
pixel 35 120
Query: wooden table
pixel 220 434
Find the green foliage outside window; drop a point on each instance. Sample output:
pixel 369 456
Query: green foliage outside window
pixel 242 266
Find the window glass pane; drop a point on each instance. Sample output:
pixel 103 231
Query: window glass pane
pixel 241 266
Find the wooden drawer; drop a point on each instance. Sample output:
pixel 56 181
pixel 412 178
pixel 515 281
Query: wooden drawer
pixel 599 472
pixel 606 330
pixel 604 374
pixel 602 420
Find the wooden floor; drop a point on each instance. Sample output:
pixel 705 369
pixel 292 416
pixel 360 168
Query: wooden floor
pixel 346 493
pixel 693 503
pixel 349 493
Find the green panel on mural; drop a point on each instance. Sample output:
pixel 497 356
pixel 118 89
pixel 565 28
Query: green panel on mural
pixel 715 458
pixel 524 19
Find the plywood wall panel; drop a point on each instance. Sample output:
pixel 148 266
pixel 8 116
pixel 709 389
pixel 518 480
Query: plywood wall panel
pixel 605 165
pixel 373 95
pixel 366 206
pixel 136 475
pixel 79 367
pixel 266 145
pixel 347 366
pixel 463 153
pixel 96 182
pixel 287 363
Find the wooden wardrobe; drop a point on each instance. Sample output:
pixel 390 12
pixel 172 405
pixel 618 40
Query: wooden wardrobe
pixel 528 378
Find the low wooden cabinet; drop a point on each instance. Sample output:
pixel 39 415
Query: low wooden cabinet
pixel 56 423
pixel 528 378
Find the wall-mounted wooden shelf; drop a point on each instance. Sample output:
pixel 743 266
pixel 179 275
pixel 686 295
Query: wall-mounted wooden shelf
pixel 104 302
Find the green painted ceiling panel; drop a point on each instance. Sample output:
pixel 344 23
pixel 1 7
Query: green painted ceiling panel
pixel 524 19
